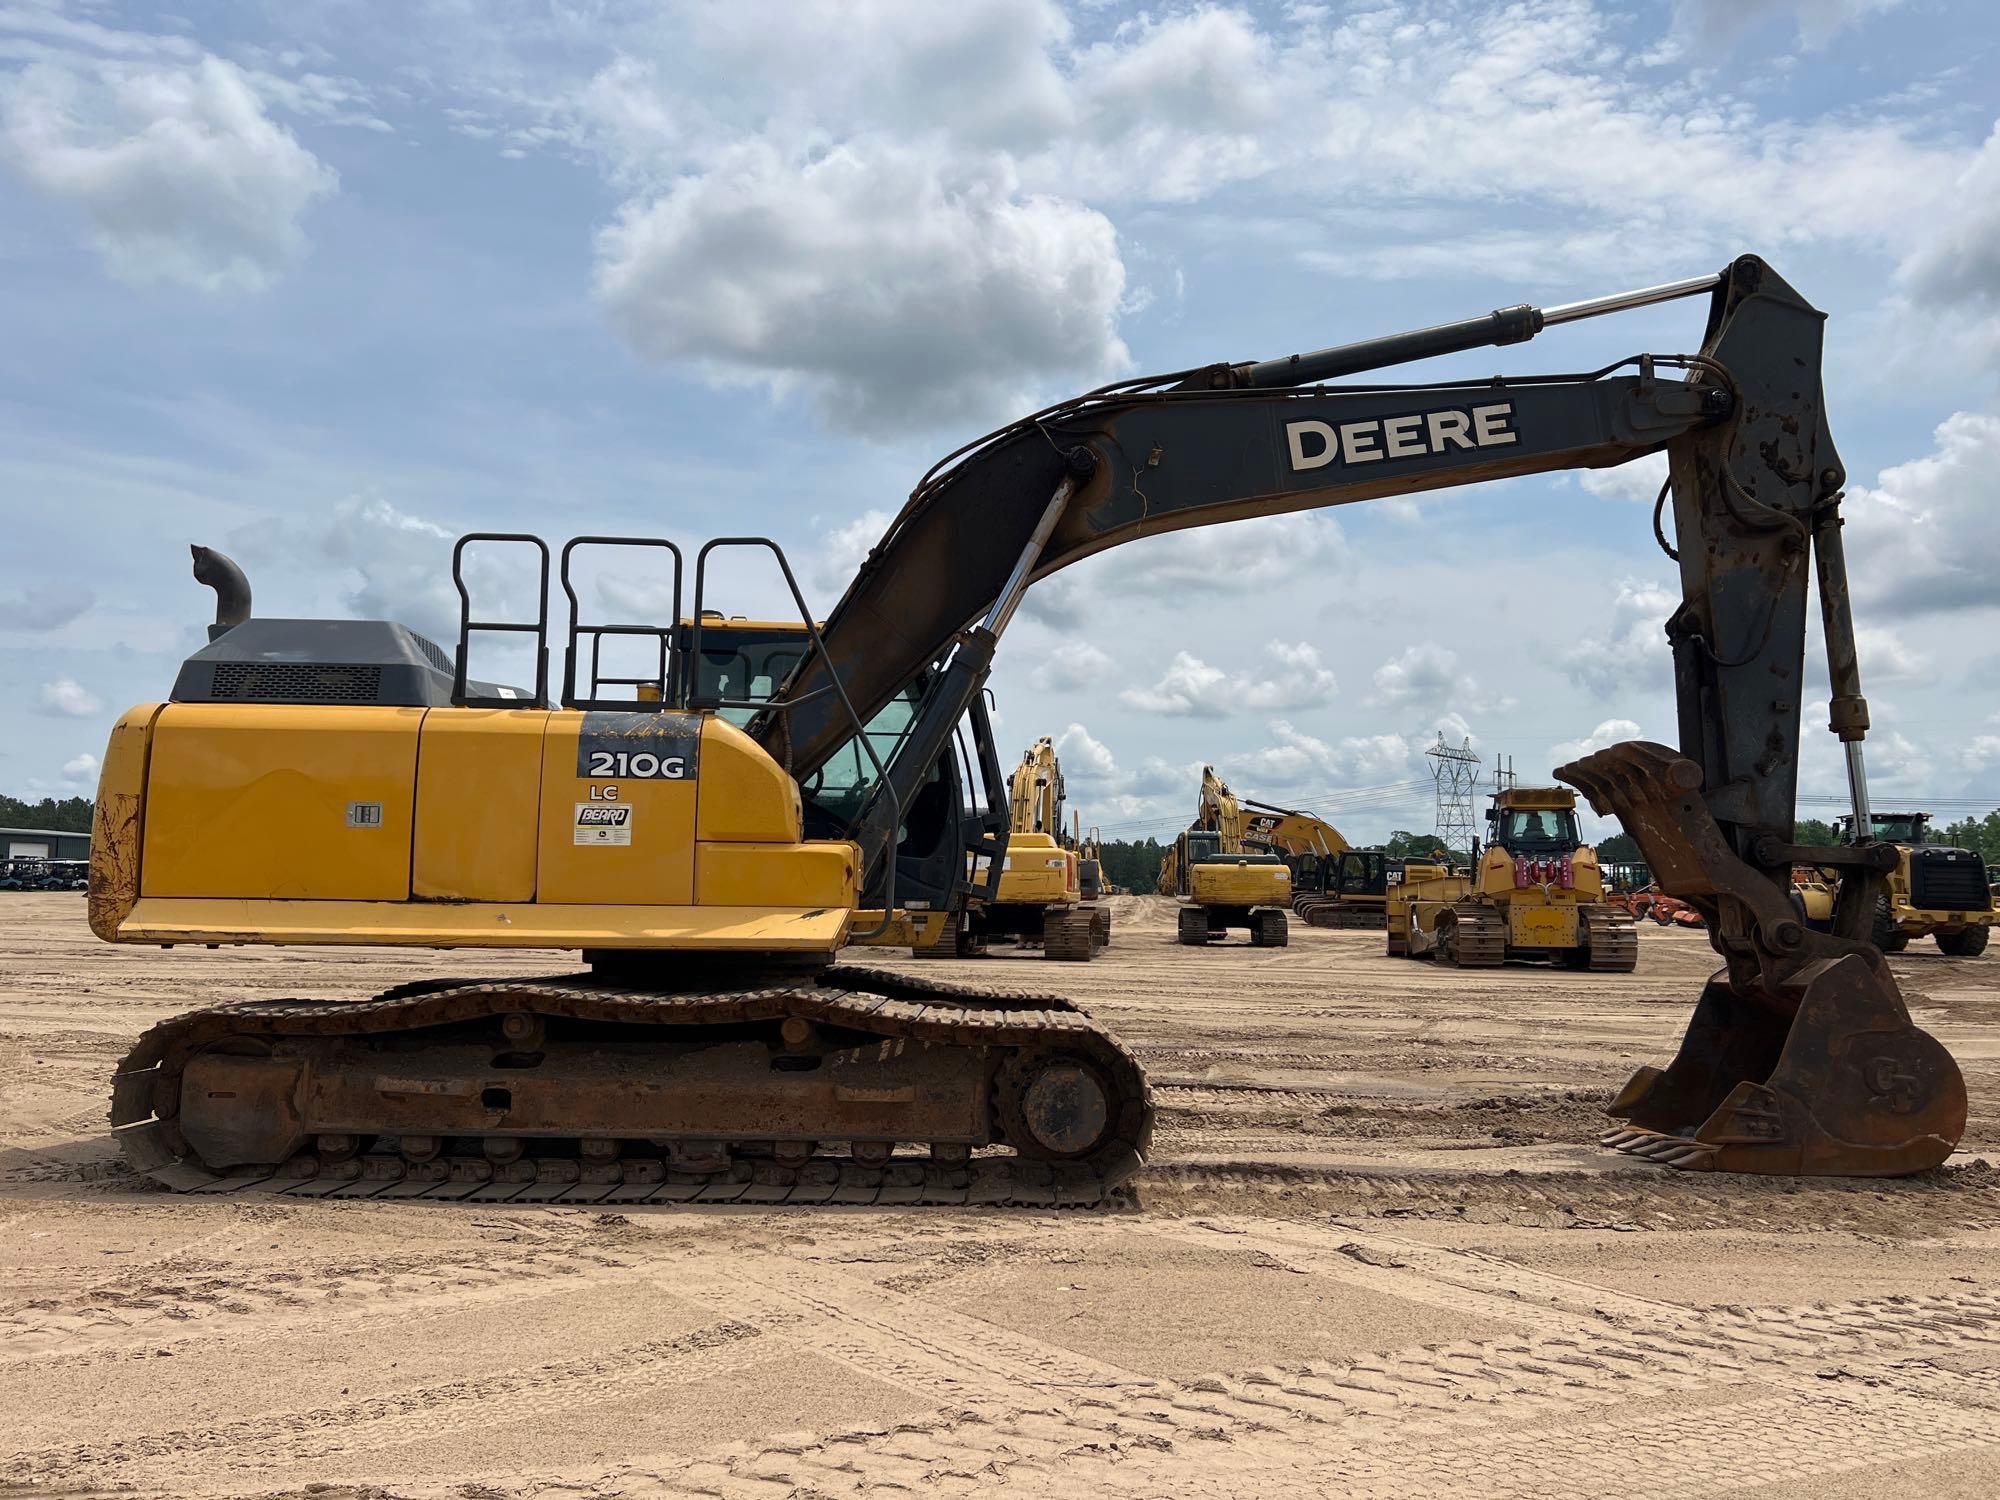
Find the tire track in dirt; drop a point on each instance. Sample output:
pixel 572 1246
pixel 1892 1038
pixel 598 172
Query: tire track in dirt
pixel 1954 1198
pixel 928 1350
pixel 278 1439
pixel 1617 1413
pixel 269 1301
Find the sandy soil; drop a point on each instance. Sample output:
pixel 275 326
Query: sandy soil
pixel 1375 1255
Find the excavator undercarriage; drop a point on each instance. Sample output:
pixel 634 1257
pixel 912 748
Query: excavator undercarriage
pixel 579 1089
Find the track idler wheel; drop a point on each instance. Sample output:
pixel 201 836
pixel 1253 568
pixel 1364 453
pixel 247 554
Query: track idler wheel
pixel 1849 1088
pixel 1055 1108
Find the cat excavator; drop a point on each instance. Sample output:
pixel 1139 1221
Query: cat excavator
pixel 1224 880
pixel 321 781
pixel 1038 899
pixel 1334 884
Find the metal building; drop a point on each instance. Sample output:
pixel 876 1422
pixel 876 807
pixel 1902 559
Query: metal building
pixel 43 843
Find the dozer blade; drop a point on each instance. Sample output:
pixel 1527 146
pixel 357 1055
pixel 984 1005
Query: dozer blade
pixel 1801 1057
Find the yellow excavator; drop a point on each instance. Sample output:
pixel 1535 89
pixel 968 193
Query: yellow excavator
pixel 1222 880
pixel 1038 899
pixel 1333 883
pixel 1534 892
pixel 349 782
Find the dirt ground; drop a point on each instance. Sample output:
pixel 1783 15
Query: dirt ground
pixel 1376 1253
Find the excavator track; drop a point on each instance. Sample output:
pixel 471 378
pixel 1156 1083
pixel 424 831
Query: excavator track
pixel 1318 912
pixel 1028 1071
pixel 1613 939
pixel 1479 938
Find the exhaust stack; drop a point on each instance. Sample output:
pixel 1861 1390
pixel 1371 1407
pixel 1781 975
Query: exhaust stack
pixel 232 589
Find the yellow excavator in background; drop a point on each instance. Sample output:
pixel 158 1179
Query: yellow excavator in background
pixel 1222 881
pixel 349 782
pixel 1333 883
pixel 1038 899
pixel 1533 893
pixel 1090 882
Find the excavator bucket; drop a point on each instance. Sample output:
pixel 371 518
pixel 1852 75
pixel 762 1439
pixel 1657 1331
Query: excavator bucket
pixel 1801 1057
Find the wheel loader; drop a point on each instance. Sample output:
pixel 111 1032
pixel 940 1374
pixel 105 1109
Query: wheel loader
pixel 349 782
pixel 1533 892
pixel 1935 890
pixel 1223 881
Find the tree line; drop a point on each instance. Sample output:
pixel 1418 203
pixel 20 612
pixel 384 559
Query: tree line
pixel 65 815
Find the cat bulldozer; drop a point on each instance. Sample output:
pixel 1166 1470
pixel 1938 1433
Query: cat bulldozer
pixel 350 782
pixel 1935 891
pixel 1222 879
pixel 1533 892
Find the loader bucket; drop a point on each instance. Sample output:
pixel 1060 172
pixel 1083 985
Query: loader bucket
pixel 1801 1057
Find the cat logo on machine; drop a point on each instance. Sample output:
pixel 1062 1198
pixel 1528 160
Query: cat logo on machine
pixel 603 823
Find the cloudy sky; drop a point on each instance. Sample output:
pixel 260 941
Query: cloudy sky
pixel 325 285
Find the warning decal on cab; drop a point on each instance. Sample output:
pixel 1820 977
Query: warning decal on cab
pixel 603 823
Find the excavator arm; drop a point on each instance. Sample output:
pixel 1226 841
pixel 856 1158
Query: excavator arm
pixel 1801 1056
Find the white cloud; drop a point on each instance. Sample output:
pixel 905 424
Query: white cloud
pixel 1429 680
pixel 1296 758
pixel 842 550
pixel 1886 657
pixel 69 698
pixel 1239 557
pixel 1716 24
pixel 1631 654
pixel 1192 688
pixel 80 770
pixel 177 169
pixel 1610 732
pixel 1189 688
pixel 1084 758
pixel 1073 665
pixel 1638 481
pixel 1300 680
pixel 44 608
pixel 1922 538
pixel 896 287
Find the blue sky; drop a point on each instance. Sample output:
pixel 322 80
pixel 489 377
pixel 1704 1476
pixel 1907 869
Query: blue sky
pixel 325 285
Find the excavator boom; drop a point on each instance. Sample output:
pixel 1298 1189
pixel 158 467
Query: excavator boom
pixel 1802 1056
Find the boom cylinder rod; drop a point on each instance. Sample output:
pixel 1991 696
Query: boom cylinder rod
pixel 1847 709
pixel 1506 325
pixel 1017 581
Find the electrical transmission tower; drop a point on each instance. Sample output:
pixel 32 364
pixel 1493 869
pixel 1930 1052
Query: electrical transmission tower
pixel 1456 774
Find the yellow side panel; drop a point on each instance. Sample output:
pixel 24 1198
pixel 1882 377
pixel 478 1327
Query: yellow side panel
pixel 280 801
pixel 804 875
pixel 434 924
pixel 1240 885
pixel 619 838
pixel 745 797
pixel 115 826
pixel 479 786
pixel 1037 871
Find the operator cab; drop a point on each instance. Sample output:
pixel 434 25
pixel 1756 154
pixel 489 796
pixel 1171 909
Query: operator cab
pixel 1890 828
pixel 1533 821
